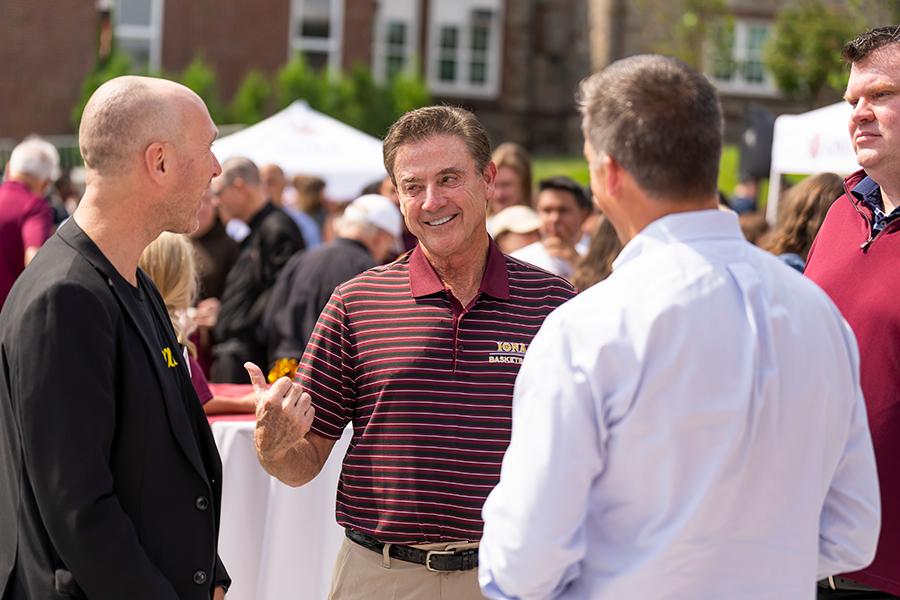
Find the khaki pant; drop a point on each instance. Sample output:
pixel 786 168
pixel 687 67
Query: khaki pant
pixel 361 574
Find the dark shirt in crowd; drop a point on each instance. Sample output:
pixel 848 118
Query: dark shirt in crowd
pixel 238 334
pixel 303 290
pixel 215 253
pixel 25 222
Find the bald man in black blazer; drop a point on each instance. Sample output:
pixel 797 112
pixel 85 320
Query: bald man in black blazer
pixel 110 482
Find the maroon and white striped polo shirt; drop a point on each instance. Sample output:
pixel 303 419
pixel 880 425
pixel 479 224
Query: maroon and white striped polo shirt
pixel 428 387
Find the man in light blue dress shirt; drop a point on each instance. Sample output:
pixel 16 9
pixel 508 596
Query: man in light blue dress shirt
pixel 693 426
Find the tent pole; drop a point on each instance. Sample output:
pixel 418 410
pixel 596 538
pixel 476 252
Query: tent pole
pixel 774 194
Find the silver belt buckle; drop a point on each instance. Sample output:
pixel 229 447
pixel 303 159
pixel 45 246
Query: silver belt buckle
pixel 430 553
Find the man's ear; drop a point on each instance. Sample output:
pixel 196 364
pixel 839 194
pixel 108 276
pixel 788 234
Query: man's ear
pixel 613 173
pixel 489 174
pixel 155 161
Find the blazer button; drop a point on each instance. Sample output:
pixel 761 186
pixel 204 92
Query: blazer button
pixel 201 503
pixel 199 577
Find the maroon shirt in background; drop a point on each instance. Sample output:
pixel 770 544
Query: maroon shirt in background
pixel 865 287
pixel 25 222
pixel 198 379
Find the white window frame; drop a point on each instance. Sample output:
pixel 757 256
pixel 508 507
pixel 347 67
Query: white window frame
pixel 332 46
pixel 458 14
pixel 389 12
pixel 739 54
pixel 151 33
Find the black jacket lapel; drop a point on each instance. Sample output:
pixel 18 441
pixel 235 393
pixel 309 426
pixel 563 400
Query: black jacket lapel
pixel 175 408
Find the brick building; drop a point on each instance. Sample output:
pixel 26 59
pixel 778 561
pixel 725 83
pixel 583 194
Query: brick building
pixel 516 63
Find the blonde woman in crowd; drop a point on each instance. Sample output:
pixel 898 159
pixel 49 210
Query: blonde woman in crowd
pixel 169 261
pixel 513 183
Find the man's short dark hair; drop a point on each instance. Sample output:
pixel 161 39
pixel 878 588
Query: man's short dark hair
pixel 660 120
pixel 566 184
pixel 866 43
pixel 423 123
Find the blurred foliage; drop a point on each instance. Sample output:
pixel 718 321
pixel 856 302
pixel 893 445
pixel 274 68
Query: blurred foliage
pixel 354 98
pixel 117 64
pixel 252 100
pixel 200 77
pixel 803 52
pixel 681 28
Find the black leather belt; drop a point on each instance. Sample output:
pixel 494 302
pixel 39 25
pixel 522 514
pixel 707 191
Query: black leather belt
pixel 434 560
pixel 842 583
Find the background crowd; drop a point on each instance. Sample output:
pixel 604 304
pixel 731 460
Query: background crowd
pixel 256 299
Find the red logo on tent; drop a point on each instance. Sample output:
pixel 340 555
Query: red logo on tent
pixel 814 145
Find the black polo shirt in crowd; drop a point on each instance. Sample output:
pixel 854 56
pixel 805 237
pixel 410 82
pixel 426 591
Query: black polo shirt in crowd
pixel 303 289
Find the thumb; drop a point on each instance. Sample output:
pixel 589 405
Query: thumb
pixel 256 377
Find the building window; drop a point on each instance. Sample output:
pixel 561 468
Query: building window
pixel 465 48
pixel 316 32
pixel 737 57
pixel 448 52
pixel 395 37
pixel 138 31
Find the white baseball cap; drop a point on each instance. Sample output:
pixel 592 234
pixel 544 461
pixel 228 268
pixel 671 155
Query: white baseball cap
pixel 376 210
pixel 515 219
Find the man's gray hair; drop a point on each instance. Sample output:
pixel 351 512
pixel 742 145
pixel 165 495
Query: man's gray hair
pixel 239 167
pixel 660 120
pixel 37 157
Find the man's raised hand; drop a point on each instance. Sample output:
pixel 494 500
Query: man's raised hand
pixel 284 414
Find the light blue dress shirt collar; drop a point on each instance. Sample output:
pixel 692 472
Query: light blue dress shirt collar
pixel 688 226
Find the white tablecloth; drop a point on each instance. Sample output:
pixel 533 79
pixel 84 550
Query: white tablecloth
pixel 277 542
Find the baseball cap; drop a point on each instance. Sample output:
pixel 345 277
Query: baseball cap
pixel 376 210
pixel 515 219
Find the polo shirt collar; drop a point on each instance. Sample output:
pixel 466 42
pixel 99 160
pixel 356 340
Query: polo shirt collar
pixel 691 226
pixel 424 280
pixel 869 192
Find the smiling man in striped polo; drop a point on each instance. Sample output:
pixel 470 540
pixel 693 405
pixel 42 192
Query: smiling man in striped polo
pixel 420 356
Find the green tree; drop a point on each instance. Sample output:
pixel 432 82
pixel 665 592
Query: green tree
pixel 682 28
pixel 251 101
pixel 296 81
pixel 407 92
pixel 354 98
pixel 200 77
pixel 117 64
pixel 803 52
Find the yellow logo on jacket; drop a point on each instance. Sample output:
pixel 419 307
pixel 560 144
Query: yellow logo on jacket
pixel 169 357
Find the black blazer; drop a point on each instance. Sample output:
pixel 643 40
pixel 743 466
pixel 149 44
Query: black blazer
pixel 110 482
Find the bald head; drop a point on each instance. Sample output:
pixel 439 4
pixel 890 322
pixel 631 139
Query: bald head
pixel 273 182
pixel 127 114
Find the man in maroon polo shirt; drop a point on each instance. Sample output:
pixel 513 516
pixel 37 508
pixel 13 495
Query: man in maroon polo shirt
pixel 421 356
pixel 854 259
pixel 25 217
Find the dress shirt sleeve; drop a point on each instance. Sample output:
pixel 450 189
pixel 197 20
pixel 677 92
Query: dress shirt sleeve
pixel 325 371
pixel 534 535
pixel 851 517
pixel 64 382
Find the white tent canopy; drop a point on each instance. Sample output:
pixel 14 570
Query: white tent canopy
pixel 303 141
pixel 813 142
